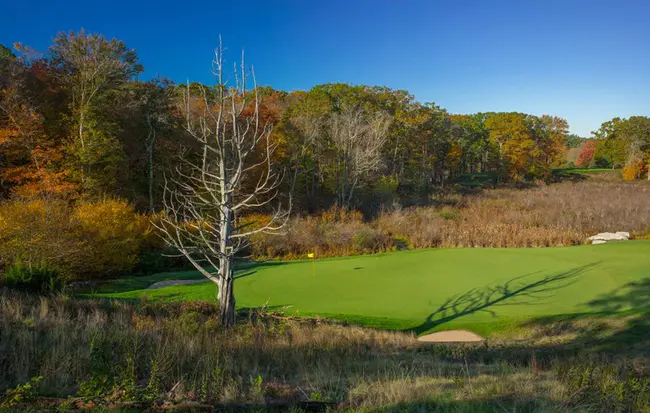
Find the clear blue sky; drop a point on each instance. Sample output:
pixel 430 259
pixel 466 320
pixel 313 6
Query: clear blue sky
pixel 585 60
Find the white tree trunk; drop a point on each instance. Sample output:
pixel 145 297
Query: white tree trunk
pixel 201 206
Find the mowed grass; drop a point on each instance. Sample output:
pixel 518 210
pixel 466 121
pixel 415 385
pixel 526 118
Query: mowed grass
pixel 590 170
pixel 481 289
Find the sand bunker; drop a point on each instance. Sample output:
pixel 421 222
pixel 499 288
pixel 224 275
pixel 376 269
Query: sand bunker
pixel 452 336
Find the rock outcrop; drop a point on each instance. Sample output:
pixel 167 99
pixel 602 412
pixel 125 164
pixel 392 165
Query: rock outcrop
pixel 605 237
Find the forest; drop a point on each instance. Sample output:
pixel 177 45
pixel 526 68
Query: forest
pixel 88 150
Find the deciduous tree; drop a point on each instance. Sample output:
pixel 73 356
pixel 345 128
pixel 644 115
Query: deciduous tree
pixel 91 67
pixel 208 191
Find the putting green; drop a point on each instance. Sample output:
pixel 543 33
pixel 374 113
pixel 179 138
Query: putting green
pixel 480 288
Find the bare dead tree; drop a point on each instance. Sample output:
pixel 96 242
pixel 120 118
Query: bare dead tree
pixel 358 138
pixel 309 148
pixel 204 197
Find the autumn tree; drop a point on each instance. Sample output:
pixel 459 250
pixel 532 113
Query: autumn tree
pixel 472 138
pixel 151 138
pixel 609 146
pixel 92 68
pixel 209 190
pixel 624 143
pixel 6 53
pixel 32 157
pixel 586 156
pixel 554 132
pixel 516 145
pixel 357 137
pixel 574 141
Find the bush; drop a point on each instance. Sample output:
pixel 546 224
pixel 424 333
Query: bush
pixel 112 235
pixel 38 279
pixel 88 240
pixel 539 216
pixel 634 170
pixel 36 232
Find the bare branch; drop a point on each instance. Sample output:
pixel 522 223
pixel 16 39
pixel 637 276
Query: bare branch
pixel 231 173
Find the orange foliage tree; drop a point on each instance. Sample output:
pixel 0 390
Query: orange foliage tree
pixel 586 156
pixel 32 159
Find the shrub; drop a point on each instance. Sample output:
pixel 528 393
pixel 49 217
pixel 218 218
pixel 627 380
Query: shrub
pixel 39 279
pixel 634 170
pixel 370 240
pixel 88 240
pixel 36 232
pixel 615 388
pixel 112 235
pixel 539 216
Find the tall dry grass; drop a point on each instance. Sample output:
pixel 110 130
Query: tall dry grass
pixel 546 215
pixel 92 352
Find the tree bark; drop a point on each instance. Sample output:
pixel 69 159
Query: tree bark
pixel 150 143
pixel 226 295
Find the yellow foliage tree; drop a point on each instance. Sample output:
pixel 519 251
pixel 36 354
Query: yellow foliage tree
pixel 90 240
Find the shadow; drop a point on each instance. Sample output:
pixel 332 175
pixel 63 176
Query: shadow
pixel 244 274
pixel 514 403
pixel 618 323
pixel 564 174
pixel 143 282
pixel 261 313
pixel 246 265
pixel 517 291
pixel 357 268
pixel 248 268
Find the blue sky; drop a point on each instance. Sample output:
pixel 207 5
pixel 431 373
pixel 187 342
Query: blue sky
pixel 584 60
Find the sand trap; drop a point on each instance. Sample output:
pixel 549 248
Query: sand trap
pixel 452 336
pixel 169 283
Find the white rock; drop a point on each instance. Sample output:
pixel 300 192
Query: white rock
pixel 610 236
pixel 598 241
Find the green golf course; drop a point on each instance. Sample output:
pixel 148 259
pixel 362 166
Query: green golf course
pixel 481 289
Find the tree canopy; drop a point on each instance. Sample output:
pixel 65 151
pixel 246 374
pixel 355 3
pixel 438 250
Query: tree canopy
pixel 75 122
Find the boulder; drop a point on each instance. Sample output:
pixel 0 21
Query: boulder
pixel 604 237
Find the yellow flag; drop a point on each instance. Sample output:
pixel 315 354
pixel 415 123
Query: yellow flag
pixel 310 255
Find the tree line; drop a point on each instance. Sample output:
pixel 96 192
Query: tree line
pixel 76 122
pixel 620 143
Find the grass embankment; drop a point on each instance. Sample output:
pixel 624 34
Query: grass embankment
pixel 484 290
pixel 61 354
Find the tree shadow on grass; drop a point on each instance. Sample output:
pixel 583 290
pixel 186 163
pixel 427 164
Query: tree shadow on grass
pixel 142 282
pixel 514 403
pixel 521 290
pixel 618 323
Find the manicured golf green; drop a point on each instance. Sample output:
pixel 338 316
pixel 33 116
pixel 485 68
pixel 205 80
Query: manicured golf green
pixel 481 288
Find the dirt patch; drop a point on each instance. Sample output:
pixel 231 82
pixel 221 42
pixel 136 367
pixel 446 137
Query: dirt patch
pixel 170 283
pixel 452 336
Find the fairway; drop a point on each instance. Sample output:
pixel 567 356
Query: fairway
pixel 482 289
